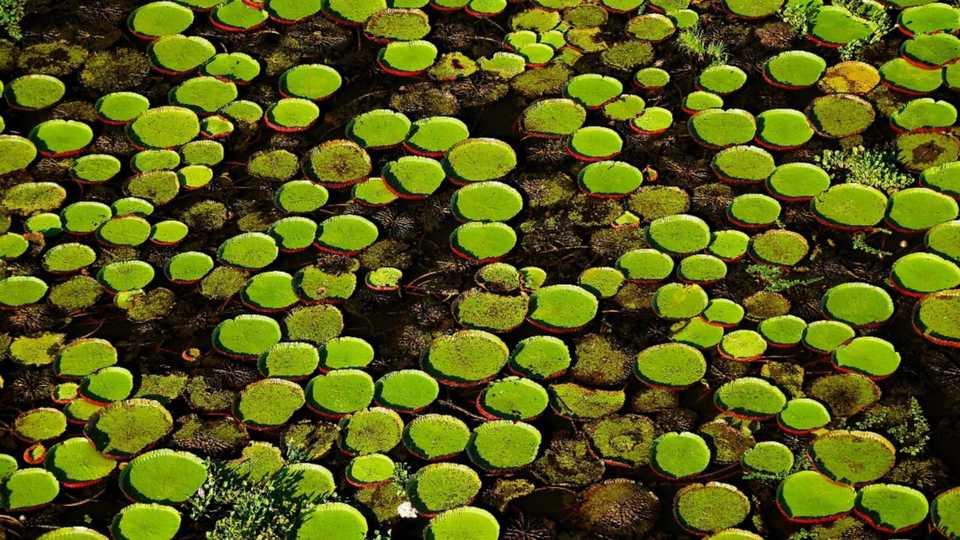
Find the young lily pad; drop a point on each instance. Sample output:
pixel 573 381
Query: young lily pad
pixel 779 247
pixel 346 352
pixel 540 357
pixel 679 455
pixel 126 428
pixel 750 397
pixel 449 525
pixel 906 78
pixel 852 77
pixel 782 331
pixel 768 457
pixel 269 292
pixel 711 507
pixel 370 470
pixel 340 392
pixel 701 268
pixel 13 245
pixel 670 365
pixel 919 151
pixel 719 128
pixel 943 512
pixel 77 463
pixel 203 94
pixel 269 403
pixel 653 27
pixel 486 201
pixel 797 181
pixel 107 385
pixel 845 394
pixel 594 143
pixel 352 12
pixel 645 265
pixel 126 275
pixel 944 240
pixel 164 127
pixel 157 187
pixel 483 242
pixel 592 90
pixel 292 115
pixel 701 100
pixel 466 358
pixel 742 346
pixel 124 231
pixel 310 81
pixel 924 114
pixel 479 160
pixel 435 437
pixel 915 210
pixel 783 129
pixel 68 258
pixel 680 234
pixel 16 291
pixel 157 19
pixel 395 24
pixel 489 311
pixel 120 108
pixel 346 234
pixel 435 135
pixel 379 128
pixel 238 16
pixel 373 191
pixel 248 250
pixel 858 304
pixel 753 210
pixel 676 301
pixel 163 476
pixel 413 177
pixel 275 164
pixel 652 122
pixel 34 92
pixel 891 508
pixel 651 79
pixel 246 336
pixel 929 18
pixel 40 424
pixel 850 206
pixel 803 415
pixel 177 54
pixel 207 153
pixel 603 281
pixel 811 497
pixel 513 398
pixel 146 522
pixel 562 308
pixel 338 163
pixel 316 324
pixel 371 431
pixel 503 445
pixel 747 9
pixel 743 165
pixel 216 127
pixel 188 267
pixel 826 336
pixel 407 58
pixel 551 118
pixel 840 115
pixel 61 138
pixel 853 456
pixel 384 279
pixel 794 70
pixel 870 356
pixel 442 486
pixel 935 318
pixel 154 160
pixel 728 246
pixel 407 390
pixel 835 26
pixel 294 234
pixel 29 488
pixel 931 50
pixel 323 518
pixel 722 79
pixel 236 67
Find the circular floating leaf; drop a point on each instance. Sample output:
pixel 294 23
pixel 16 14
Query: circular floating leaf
pixel 935 318
pixel 704 508
pixel 34 92
pixel 853 457
pixel 811 497
pixel 269 292
pixel 919 151
pixel 413 177
pixel 119 108
pixel 797 181
pixel 676 301
pixel 154 160
pixel 651 79
pixel 340 392
pixel 164 127
pixel 466 358
pixel 779 247
pixel 679 455
pixel 851 77
pixel 178 54
pixel 750 397
pixel 742 346
pixel 407 58
pixel 107 385
pixel 872 357
pixel 77 463
pixel 314 284
pixel 579 402
pixel 482 242
pixel 486 201
pixel 338 163
pixel 722 79
pixel 126 275
pixel 310 81
pixel 592 90
pixel 645 265
pixel 782 331
pixel 248 250
pixel 126 428
pixel 917 209
pixel 157 19
pixel 803 415
pixel 16 291
pixel 850 206
pixel 140 521
pixel 728 246
pixel 28 489
pixel 316 324
pixel 653 27
pixel 397 25
pixel 670 365
pixel 207 153
pixel 929 18
pixel 124 231
pixel 188 267
pixel 513 398
pixel 289 360
pixel 794 70
pixel 435 437
pixel 246 336
pixel 768 457
pixel 301 197
pixel 858 304
pixel 292 115
pixel 840 115
pixel 594 143
pixel 503 445
pixel 718 128
pixel 466 522
pixel 836 26
pixel 891 508
pixel 269 403
pixel 331 516
pixel 944 512
pixel 238 67
pixel 442 486
pixel 479 160
pixel 17 153
pixel 163 476
pixel 783 129
pixel 540 357
pixel 653 121
pixel 203 94
pixel 379 128
pixel 602 281
pixel 626 107
pixel 753 210
pixel 406 390
pixel 701 100
pixel 931 50
pixel 346 234
pixel 743 164
pixel 238 16
pixel 434 135
pixel 371 431
pixel 41 424
pixel 294 233
pixel 924 114
pixel 919 274
pixel 906 78
pixel 753 10
pixel 562 308
pixel 944 239
pixel 552 118
pixel 370 470
pixel 489 311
